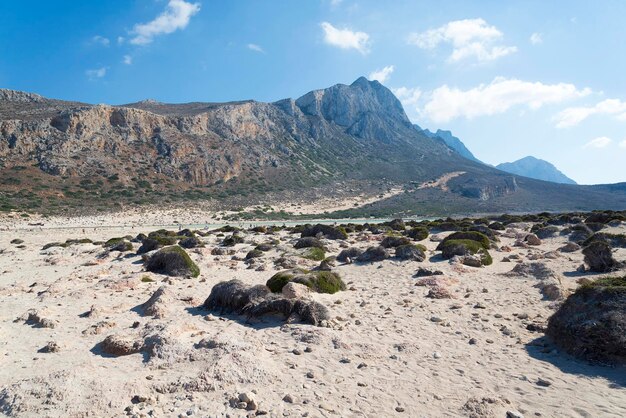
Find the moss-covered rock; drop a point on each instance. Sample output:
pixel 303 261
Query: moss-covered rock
pixel 172 261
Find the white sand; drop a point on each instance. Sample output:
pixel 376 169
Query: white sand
pixel 378 355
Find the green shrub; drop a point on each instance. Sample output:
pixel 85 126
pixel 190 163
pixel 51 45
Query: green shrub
pixel 279 280
pixel 113 242
pixel 232 241
pixel 477 237
pixel 463 247
pixel 172 261
pixel 418 234
pixel 328 282
pixel 313 253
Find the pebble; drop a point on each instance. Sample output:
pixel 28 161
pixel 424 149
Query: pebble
pixel 543 382
pixel 437 354
pixel 473 341
pixel 310 375
pixel 361 365
pixel 288 398
pixel 436 319
pixel 308 349
pixel 399 409
pixel 296 352
pixel 479 306
pixel 513 414
pixel 345 360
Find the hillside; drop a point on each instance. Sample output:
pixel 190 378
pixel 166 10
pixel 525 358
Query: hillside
pixel 60 156
pixel 535 169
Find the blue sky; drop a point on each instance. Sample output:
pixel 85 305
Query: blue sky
pixel 510 78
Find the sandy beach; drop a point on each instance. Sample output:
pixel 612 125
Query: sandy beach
pixel 387 351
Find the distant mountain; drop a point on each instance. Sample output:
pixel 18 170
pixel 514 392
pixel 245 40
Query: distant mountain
pixel 535 169
pixel 451 141
pixel 339 141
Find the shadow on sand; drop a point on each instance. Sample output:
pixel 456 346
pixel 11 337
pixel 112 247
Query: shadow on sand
pixel 571 365
pixel 267 321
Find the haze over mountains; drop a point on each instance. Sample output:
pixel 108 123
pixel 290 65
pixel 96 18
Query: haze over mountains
pixel 537 169
pixel 343 139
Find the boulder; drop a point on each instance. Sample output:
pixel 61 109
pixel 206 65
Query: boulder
pixel 532 239
pixel 295 291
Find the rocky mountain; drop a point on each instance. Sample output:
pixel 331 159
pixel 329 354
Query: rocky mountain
pixel 451 141
pixel 347 139
pixel 535 169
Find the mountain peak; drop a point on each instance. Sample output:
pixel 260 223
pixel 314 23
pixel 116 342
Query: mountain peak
pixel 346 105
pixel 535 168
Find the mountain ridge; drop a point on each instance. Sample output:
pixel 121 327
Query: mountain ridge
pixel 342 140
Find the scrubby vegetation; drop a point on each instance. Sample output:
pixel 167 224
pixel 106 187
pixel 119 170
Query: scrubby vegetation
pixel 590 323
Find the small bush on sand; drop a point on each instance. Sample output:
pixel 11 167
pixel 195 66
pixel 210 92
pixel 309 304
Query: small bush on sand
pixel 590 323
pixel 172 261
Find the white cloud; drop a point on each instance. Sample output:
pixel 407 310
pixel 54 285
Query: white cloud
pixel 600 142
pixel 470 38
pixel 96 73
pixel 256 48
pixel 382 75
pixel 101 40
pixel 536 38
pixel 335 3
pixel 572 116
pixel 623 144
pixel 408 96
pixel 345 38
pixel 120 40
pixel 446 103
pixel 176 16
pixel 128 60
